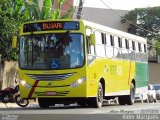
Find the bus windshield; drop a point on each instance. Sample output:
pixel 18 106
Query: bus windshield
pixel 51 51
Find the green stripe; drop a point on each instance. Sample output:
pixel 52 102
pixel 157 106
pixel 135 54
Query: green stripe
pixel 141 76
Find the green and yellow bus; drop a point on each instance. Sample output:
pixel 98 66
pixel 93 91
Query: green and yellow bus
pixel 68 61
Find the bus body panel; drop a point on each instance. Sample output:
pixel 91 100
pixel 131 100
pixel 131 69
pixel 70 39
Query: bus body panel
pixel 117 75
pixel 141 77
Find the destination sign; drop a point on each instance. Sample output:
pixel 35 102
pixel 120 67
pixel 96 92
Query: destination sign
pixel 51 25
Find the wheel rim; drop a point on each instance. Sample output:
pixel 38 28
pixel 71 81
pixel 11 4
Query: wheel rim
pixel 132 93
pixel 100 95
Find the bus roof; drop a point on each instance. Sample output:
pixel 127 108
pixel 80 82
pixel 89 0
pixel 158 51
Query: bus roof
pixel 115 32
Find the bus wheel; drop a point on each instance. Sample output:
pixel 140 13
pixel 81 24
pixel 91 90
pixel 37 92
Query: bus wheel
pixel 82 103
pixel 98 101
pixel 43 103
pixel 130 98
pixel 121 100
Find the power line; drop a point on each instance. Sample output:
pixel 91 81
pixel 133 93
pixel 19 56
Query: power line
pixel 127 19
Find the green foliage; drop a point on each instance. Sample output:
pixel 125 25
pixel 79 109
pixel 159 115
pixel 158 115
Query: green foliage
pixel 157 46
pixel 12 14
pixel 147 18
pixel 48 11
pixel 69 14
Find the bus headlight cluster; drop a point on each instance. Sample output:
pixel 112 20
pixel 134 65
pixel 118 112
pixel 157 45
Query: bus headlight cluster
pixel 78 82
pixel 24 83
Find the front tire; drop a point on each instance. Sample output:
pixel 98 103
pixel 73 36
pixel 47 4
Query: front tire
pixel 98 101
pixel 43 103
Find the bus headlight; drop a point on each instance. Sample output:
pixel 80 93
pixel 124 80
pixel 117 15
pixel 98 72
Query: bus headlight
pixel 78 82
pixel 24 83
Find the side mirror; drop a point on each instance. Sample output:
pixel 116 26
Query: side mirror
pixel 14 41
pixel 92 39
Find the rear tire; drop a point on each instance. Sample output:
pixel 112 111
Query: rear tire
pixel 43 103
pixel 121 100
pixel 128 99
pixel 131 98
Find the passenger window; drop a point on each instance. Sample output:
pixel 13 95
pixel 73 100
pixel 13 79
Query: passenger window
pixel 109 48
pixel 90 48
pixel 130 45
pixel 139 47
pixel 133 45
pixel 127 44
pixel 103 38
pixel 116 42
pixel 119 42
pixel 123 43
pixel 145 50
pixel 98 37
pixel 112 40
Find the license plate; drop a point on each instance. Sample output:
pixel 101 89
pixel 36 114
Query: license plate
pixel 51 93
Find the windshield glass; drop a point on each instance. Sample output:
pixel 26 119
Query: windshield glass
pixel 156 87
pixel 51 51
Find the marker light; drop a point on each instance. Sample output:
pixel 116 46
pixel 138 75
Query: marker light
pixel 78 82
pixel 24 83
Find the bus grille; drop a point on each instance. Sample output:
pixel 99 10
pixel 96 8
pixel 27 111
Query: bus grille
pixel 48 77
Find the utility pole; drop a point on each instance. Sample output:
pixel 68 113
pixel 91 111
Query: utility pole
pixel 79 9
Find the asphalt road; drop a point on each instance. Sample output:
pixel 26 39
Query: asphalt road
pixel 146 111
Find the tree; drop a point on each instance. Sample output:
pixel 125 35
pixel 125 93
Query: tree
pixel 48 11
pixel 12 14
pixel 148 20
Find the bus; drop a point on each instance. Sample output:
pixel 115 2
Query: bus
pixel 77 61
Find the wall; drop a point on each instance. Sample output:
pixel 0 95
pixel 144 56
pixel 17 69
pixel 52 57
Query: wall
pixel 1 75
pixel 154 73
pixel 105 17
pixel 9 74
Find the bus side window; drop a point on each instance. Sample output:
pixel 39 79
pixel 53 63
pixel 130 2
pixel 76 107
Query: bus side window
pixel 143 54
pixel 90 48
pixel 140 51
pixel 133 50
pixel 109 47
pixel 138 56
pixel 103 38
pixel 117 50
pixel 100 47
pixel 130 51
pixel 124 49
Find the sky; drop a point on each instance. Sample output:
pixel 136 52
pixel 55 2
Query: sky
pixel 119 4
